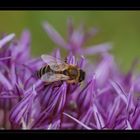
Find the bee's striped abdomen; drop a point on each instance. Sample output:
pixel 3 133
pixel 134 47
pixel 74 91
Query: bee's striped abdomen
pixel 42 71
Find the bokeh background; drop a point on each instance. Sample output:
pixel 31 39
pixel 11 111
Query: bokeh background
pixel 121 28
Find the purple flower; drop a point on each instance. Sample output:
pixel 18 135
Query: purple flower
pixel 14 63
pixel 76 39
pixel 106 99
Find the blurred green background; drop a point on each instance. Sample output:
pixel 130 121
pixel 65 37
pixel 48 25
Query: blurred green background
pixel 122 28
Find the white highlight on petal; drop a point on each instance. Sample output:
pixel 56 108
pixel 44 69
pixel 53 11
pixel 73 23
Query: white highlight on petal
pixel 6 39
pixel 24 126
pixel 128 125
pixel 50 126
pixel 85 126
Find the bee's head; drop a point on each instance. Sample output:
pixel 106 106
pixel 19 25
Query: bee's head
pixel 82 75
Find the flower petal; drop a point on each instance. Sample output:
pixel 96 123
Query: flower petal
pixel 91 33
pixel 6 39
pixel 113 111
pixel 104 70
pixel 119 90
pixel 21 108
pixel 98 118
pixel 85 126
pixel 97 49
pixel 5 82
pixel 5 58
pixel 129 127
pixel 70 27
pixel 54 35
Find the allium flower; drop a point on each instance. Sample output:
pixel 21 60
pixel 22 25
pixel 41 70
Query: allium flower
pixel 76 39
pixel 15 73
pixel 107 98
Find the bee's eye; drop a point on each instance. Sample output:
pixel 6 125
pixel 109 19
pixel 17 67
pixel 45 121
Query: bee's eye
pixel 65 72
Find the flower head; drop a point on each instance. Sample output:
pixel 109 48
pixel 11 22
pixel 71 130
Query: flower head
pixel 106 99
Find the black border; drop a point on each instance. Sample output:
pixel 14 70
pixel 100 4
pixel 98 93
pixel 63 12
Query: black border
pixel 70 5
pixel 70 134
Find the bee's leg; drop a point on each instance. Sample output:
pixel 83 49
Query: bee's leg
pixel 57 84
pixel 61 81
pixel 81 84
pixel 71 81
pixel 46 84
pixel 66 60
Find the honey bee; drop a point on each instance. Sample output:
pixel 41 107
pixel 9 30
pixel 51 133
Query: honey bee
pixel 58 70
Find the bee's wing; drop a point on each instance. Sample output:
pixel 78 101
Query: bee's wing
pixel 52 77
pixel 50 60
pixel 55 64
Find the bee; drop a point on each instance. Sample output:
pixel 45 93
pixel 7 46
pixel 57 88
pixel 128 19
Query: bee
pixel 58 70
